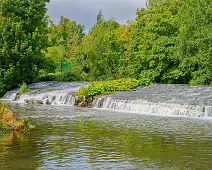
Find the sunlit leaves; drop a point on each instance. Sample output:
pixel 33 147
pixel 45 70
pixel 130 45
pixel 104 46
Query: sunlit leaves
pixel 63 40
pixel 99 51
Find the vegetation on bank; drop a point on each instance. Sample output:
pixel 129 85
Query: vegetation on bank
pixel 24 89
pixel 9 122
pixel 86 95
pixel 170 41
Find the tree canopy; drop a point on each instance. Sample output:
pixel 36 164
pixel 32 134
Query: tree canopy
pixel 170 41
pixel 23 28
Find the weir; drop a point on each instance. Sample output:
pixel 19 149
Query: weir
pixel 145 107
pixel 158 99
pixel 55 93
pixel 166 100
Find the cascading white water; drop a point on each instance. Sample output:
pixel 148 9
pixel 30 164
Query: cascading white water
pixel 168 100
pixel 56 93
pixel 11 95
pixel 179 100
pixel 142 106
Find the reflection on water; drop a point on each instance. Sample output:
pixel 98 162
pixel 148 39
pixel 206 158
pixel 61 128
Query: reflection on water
pixel 73 138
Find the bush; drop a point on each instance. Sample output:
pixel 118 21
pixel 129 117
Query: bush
pixel 201 77
pixel 24 89
pixel 66 76
pixel 107 87
pixel 8 121
pixel 3 128
pixel 86 95
pixel 2 88
pixel 82 92
pixel 48 77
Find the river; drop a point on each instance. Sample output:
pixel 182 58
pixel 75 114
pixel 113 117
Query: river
pixel 69 137
pixel 75 138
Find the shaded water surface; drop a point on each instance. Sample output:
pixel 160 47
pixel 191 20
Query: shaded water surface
pixel 74 138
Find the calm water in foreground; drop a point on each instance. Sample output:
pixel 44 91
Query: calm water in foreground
pixel 75 138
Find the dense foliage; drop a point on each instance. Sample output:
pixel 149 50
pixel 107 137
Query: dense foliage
pixel 63 39
pixel 98 52
pixel 23 28
pixel 170 41
pixel 107 87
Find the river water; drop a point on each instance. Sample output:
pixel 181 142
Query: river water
pixel 67 137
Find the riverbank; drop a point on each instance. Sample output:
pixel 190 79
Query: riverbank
pixel 9 122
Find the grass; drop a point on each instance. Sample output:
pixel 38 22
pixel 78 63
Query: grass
pixel 24 89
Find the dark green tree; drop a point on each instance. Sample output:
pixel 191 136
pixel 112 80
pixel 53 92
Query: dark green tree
pixel 152 50
pixel 194 44
pixel 23 28
pixel 172 42
pixel 100 17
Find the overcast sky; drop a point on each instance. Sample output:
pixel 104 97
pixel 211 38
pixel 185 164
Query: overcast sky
pixel 85 11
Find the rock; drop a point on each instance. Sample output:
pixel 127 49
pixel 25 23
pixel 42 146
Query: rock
pixel 82 101
pixel 32 101
pixel 48 102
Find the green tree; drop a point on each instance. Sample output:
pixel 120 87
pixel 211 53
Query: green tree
pixel 100 17
pixel 125 38
pixel 63 40
pixel 152 3
pixel 194 44
pixel 152 50
pixel 23 27
pixel 98 52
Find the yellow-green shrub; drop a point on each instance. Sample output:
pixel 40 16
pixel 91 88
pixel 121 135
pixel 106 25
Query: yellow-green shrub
pixel 101 88
pixel 24 89
pixel 8 121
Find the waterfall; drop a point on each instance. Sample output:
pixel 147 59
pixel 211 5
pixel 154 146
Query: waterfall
pixel 142 106
pixel 11 95
pixel 166 100
pixel 158 99
pixel 55 93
